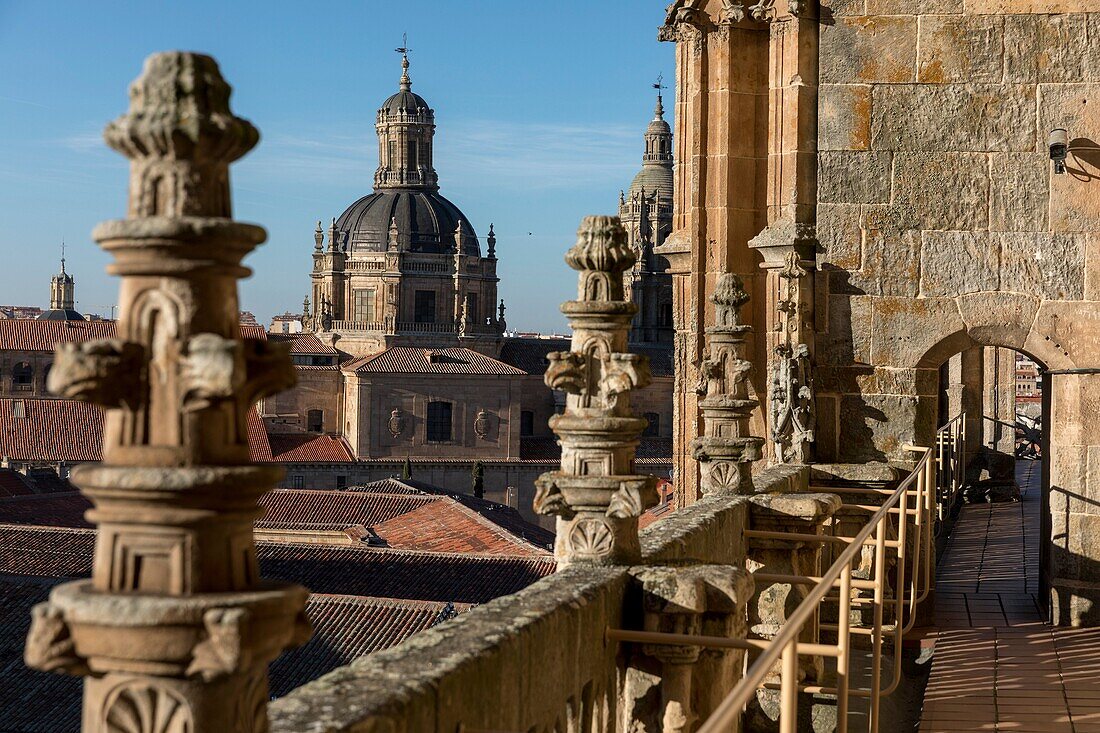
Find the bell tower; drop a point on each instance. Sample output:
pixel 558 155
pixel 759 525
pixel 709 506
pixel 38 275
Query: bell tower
pixel 406 126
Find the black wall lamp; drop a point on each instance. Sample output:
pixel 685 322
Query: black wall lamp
pixel 1059 148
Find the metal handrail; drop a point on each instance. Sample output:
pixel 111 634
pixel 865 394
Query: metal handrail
pixel 784 648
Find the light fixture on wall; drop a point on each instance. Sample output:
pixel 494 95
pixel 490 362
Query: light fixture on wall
pixel 1059 148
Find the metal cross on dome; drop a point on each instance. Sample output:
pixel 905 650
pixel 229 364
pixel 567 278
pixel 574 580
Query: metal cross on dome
pixel 404 49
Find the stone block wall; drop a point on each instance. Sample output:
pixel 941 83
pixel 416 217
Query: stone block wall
pixel 943 227
pixel 941 222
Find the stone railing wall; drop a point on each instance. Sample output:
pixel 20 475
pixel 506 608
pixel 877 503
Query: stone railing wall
pixel 539 659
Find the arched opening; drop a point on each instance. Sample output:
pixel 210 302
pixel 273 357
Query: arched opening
pixel 997 399
pixel 22 377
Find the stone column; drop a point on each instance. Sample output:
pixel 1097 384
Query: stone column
pixel 972 365
pixel 726 450
pixel 596 494
pixel 175 629
pixel 695 600
pixel 800 513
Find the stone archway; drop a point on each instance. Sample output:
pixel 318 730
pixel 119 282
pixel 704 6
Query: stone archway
pixel 1059 336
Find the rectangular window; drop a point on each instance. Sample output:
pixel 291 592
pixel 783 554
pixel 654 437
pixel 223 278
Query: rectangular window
pixel 471 307
pixel 439 421
pixel 410 152
pixel 424 306
pixel 297 482
pixel 391 160
pixel 424 157
pixel 526 423
pixel 364 305
pixel 341 482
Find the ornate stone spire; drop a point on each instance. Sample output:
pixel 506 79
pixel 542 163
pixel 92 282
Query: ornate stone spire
pixel 62 288
pixel 596 494
pixel 491 242
pixel 726 451
pixel 175 618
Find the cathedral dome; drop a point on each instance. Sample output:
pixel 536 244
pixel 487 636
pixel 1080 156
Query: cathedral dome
pixel 405 101
pixel 426 222
pixel 656 173
pixel 653 178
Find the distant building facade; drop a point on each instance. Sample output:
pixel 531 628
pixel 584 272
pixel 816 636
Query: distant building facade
pixel 402 352
pixel 646 213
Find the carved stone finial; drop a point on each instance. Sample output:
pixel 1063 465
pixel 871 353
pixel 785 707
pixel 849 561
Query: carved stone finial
pixel 726 450
pixel 596 494
pixel 180 137
pixel 729 295
pixel 318 238
pixel 176 494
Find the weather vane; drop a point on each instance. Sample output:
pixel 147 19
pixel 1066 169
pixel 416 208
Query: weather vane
pixel 659 86
pixel 404 49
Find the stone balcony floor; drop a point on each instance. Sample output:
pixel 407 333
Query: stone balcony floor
pixel 997 666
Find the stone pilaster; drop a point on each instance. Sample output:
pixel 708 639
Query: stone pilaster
pixel 596 494
pixel 726 450
pixel 175 629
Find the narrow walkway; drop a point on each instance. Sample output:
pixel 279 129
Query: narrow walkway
pixel 997 666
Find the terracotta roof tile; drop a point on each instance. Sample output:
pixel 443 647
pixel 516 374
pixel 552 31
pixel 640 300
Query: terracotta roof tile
pixel 72 432
pixel 47 510
pixel 28 334
pixel 53 552
pixel 259 449
pixel 288 507
pixel 24 334
pixel 308 447
pixel 52 430
pixel 409 360
pixel 31 701
pixel 304 344
pixel 348 627
pixel 423 576
pixel 410 519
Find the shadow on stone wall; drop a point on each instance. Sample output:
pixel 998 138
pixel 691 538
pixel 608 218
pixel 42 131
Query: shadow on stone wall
pixel 1086 154
pixel 1073 574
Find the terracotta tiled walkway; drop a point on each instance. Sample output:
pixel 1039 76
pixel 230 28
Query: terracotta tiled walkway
pixel 997 666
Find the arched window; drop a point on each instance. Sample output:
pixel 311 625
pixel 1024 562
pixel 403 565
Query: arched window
pixel 22 377
pixel 315 421
pixel 526 423
pixel 439 421
pixel 652 430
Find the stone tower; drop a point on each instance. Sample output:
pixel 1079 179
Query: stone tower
pixel 62 290
pixel 62 296
pixel 646 213
pixel 403 265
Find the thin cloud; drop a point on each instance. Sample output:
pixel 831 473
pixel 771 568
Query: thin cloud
pixel 541 156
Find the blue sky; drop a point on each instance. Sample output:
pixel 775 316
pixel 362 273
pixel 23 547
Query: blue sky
pixel 540 109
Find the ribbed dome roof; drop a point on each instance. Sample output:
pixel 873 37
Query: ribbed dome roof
pixel 651 177
pixel 60 314
pixel 659 126
pixel 405 101
pixel 426 222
